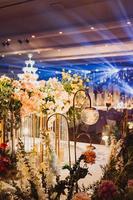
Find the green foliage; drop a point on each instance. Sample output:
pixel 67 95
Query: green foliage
pixel 67 87
pixel 8 103
pixel 68 186
pixel 116 132
pixel 6 92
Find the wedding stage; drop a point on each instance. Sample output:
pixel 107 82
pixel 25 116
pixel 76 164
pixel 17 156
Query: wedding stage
pixel 57 142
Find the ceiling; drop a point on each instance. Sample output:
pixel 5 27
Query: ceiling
pixel 66 32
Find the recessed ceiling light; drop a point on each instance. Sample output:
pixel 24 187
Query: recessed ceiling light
pixel 9 40
pixel 60 32
pixel 2 55
pixel 38 52
pixel 128 23
pixel 33 36
pixel 19 54
pixel 92 28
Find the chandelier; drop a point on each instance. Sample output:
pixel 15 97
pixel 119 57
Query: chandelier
pixel 29 70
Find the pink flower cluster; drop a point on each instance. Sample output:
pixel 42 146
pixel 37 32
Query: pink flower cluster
pixel 81 196
pixel 107 190
pixel 130 183
pixel 29 94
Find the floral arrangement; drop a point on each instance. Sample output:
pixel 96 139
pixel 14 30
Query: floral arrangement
pixel 9 105
pixel 28 93
pixel 33 183
pixel 39 184
pixel 7 162
pixel 5 94
pixel 90 156
pixel 56 97
pixel 71 83
pixel 32 96
pixel 7 100
pixel 117 179
pixel 107 190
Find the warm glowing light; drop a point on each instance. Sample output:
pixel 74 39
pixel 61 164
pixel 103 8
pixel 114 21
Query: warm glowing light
pixel 105 138
pixel 60 32
pixel 25 131
pixel 120 105
pixel 89 116
pixel 128 23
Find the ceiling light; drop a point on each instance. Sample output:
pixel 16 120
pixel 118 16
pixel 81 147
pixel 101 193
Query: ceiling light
pixel 9 40
pixel 128 23
pixel 124 69
pixel 33 36
pixel 92 28
pixel 38 52
pixel 60 32
pixel 3 56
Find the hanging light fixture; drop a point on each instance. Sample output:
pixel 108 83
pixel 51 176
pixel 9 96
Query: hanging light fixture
pixel 89 115
pixel 29 69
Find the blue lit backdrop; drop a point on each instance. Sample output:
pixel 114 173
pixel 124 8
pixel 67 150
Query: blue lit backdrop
pixel 105 76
